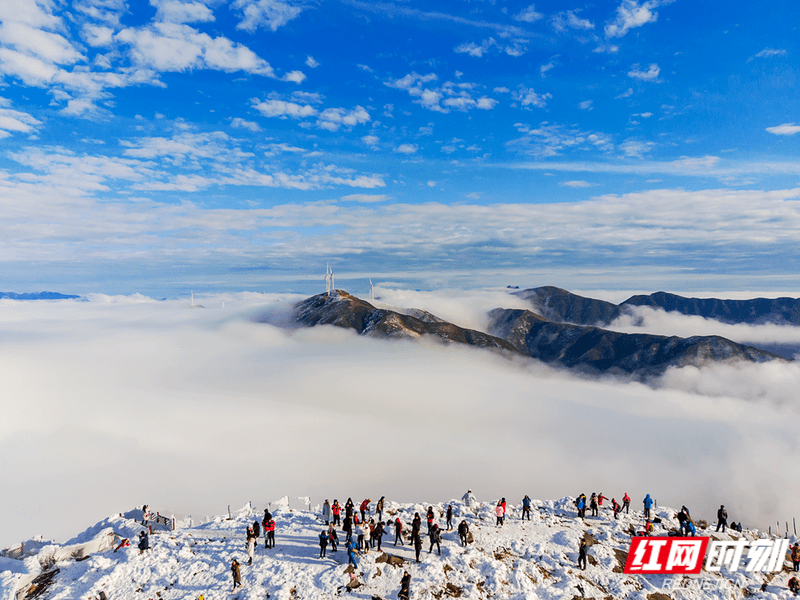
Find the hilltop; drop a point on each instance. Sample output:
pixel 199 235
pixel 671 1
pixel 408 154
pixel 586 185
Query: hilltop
pixel 521 560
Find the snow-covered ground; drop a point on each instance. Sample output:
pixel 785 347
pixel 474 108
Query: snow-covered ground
pixel 521 559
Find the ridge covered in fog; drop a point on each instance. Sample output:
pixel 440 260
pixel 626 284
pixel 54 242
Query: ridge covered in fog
pixel 521 331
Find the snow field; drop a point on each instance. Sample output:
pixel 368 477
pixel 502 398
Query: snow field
pixel 534 559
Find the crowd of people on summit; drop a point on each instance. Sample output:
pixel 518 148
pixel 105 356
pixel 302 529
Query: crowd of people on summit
pixel 364 532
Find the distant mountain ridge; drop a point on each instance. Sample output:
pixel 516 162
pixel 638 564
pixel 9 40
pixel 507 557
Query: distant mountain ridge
pixel 523 332
pixel 343 310
pixel 37 296
pixel 640 354
pixel 561 306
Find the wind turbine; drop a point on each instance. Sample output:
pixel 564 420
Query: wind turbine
pixel 371 291
pixel 328 277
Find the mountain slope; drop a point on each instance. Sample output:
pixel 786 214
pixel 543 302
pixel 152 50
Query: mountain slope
pixel 603 350
pixel 36 296
pixel 343 310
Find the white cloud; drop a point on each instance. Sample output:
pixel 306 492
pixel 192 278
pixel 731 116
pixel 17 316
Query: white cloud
pixel 431 184
pixel 626 94
pixel 265 13
pixel 636 148
pixel 370 140
pixel 528 97
pixel 407 148
pixel 695 163
pixel 14 120
pixel 295 77
pixel 175 11
pixel 238 123
pixel 474 195
pixel 646 115
pixel 631 14
pixel 283 109
pixel 311 63
pixel 576 184
pixel 569 19
pixel 545 68
pixel 365 198
pixel 551 140
pixel 528 15
pixel 785 129
pixel 585 105
pixel 178 47
pixel 47 46
pixel 473 49
pixel 333 118
pixel 442 99
pixel 650 75
pixel 768 52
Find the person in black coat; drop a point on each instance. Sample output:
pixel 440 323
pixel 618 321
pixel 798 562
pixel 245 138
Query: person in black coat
pixel 417 545
pixel 436 539
pixel 398 530
pixel 144 541
pixel 405 587
pixel 449 517
pixel 377 535
pixel 463 532
pixel 582 555
pixel 722 518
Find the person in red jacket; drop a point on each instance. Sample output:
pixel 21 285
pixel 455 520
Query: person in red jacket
pixel 269 529
pixel 626 503
pixel 364 508
pixel 336 509
pixel 600 499
pixel 398 531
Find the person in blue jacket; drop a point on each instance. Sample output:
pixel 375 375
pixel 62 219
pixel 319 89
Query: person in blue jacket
pixel 689 529
pixel 352 552
pixel 648 504
pixel 581 504
pixel 526 507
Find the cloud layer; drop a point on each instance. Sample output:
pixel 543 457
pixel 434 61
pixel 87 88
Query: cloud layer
pixel 120 401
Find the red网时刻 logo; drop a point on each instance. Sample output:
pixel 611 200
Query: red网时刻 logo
pixel 684 556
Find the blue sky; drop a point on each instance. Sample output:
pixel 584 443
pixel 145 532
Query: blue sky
pixel 165 145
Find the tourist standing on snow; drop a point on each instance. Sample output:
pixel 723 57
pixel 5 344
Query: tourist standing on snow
pixel 367 536
pixel 348 508
pixel 600 499
pixel 256 529
pixel 264 523
pixel 469 499
pixel 795 555
pixel 144 541
pixel 379 508
pixel 648 504
pixel 626 503
pixel 416 525
pixel 323 543
pixel 436 539
pixel 336 509
pixel 377 535
pixel 269 531
pixel 526 507
pixel 417 545
pixel 365 509
pixel 237 575
pixel 333 539
pixel 251 545
pixel 347 527
pixel 463 532
pixel 615 507
pixel 580 504
pixel 498 510
pixel 449 517
pixel 405 587
pixel 689 528
pixel 398 532
pixel 326 512
pixel 360 537
pixel 593 505
pixel 722 518
pixel 582 555
pixel 429 518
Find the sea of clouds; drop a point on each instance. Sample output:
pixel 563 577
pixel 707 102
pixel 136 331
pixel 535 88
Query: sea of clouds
pixel 121 401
